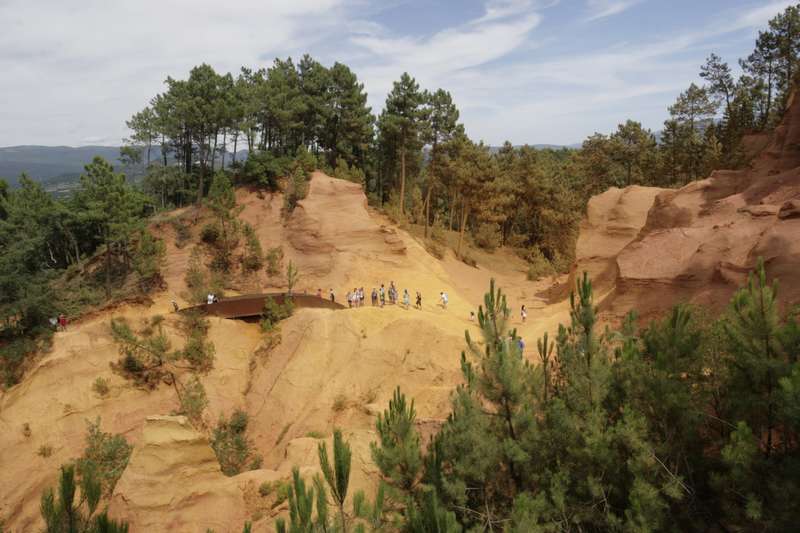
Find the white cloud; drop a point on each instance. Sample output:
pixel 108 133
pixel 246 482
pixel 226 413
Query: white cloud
pixel 757 17
pixel 599 9
pixel 78 69
pixel 73 72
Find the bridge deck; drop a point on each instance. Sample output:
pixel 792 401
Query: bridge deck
pixel 250 305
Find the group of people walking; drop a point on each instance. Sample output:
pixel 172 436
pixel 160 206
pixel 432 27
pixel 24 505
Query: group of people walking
pixel 379 296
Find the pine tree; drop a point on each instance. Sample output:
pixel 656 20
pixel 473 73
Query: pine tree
pixel 482 440
pixel 440 117
pixel 753 331
pixel 402 121
pixel 338 475
pixel 432 517
pixel 62 514
pixel 398 454
pixel 301 507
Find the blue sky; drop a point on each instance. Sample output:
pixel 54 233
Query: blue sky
pixel 530 71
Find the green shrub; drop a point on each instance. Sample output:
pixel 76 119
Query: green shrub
pixel 45 450
pixel 467 258
pixel 100 387
pixel 234 450
pixel 435 249
pixel 263 168
pixel 538 266
pixel 305 160
pixel 183 231
pixel 105 454
pixel 274 312
pixel 266 488
pixel 296 190
pixel 488 237
pixel 253 258
pixel 199 353
pixel 194 401
pixel 339 403
pixel 438 233
pixel 275 261
pixel 210 233
pixel 350 173
pixel 148 258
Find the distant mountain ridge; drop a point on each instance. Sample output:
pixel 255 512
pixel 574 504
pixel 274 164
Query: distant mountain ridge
pixel 58 167
pixel 51 164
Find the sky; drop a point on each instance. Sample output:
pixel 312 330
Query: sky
pixel 529 71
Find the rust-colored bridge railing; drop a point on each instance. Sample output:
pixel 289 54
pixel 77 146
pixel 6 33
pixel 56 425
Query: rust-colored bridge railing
pixel 250 305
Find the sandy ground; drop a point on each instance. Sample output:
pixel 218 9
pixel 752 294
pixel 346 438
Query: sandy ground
pixel 332 368
pixel 644 247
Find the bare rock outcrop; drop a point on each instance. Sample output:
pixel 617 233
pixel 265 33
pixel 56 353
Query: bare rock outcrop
pixel 173 482
pixel 699 242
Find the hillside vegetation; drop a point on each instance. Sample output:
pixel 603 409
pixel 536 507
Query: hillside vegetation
pixel 621 355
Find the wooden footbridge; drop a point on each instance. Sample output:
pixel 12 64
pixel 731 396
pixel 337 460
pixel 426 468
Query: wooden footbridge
pixel 252 305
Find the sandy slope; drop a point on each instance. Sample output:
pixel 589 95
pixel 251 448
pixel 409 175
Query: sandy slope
pixel 645 248
pixel 332 369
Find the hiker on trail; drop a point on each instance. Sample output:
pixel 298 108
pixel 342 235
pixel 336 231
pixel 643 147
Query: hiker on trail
pixel 382 293
pixel 210 299
pixel 472 316
pixel 406 299
pixel 349 298
pixel 419 300
pixel 319 293
pixel 354 296
pixel 54 323
pixel 175 306
pixel 523 313
pixel 443 296
pixel 521 344
pixel 374 297
pixel 216 299
pixel 361 297
pixel 333 297
pixel 62 322
pixel 392 293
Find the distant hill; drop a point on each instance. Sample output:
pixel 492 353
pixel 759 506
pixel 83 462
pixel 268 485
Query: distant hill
pixel 495 149
pixel 57 167
pixel 48 162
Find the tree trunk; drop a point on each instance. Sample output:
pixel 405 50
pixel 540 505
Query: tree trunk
pixel 464 213
pixel 224 145
pixel 402 177
pixel 451 210
pixel 430 187
pixel 201 185
pixel 214 153
pixel 108 267
pixel 235 141
pixel 427 208
pixel 149 145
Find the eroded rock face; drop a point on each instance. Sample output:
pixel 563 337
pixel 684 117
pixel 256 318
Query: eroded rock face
pixel 613 220
pixel 699 242
pixel 173 482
